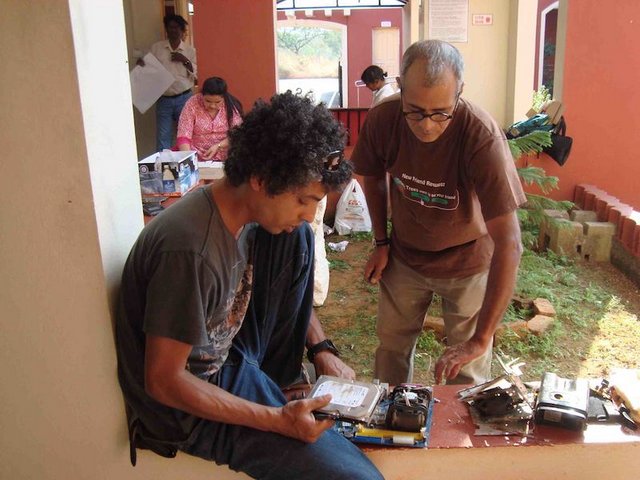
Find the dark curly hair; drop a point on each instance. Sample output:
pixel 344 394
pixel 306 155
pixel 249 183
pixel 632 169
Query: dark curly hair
pixel 284 144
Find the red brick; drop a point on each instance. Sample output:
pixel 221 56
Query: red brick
pixel 628 228
pixel 589 201
pixel 603 203
pixel 613 216
pixel 636 241
pixel 578 195
pixel 623 210
pixel 519 327
pixel 542 306
pixel 434 323
pixel 610 206
pixel 539 324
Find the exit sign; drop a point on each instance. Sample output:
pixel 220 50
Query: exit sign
pixel 482 19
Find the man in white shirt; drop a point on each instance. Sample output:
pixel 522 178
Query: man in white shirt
pixel 178 58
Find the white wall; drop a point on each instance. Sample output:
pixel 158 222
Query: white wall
pixel 144 27
pixel 69 215
pixel 499 57
pixel 521 66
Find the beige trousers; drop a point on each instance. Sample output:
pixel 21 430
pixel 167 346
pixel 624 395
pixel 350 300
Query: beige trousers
pixel 405 296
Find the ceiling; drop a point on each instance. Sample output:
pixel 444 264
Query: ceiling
pixel 331 4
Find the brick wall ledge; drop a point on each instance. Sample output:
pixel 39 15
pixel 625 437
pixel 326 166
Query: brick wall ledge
pixel 454 452
pixel 627 221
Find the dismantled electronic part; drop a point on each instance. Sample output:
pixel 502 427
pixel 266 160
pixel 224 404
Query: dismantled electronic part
pixel 496 401
pixel 563 402
pixel 408 408
pixel 401 418
pixel 625 392
pixel 502 405
pixel 350 400
pixel 358 433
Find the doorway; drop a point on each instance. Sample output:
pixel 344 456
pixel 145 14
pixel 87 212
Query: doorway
pixel 547 47
pixel 310 56
pixel 386 50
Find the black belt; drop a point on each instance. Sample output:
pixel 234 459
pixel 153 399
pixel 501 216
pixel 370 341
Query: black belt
pixel 178 95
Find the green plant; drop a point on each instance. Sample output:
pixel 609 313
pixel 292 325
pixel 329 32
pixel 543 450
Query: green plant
pixel 532 142
pixel 429 342
pixel 428 350
pixel 360 236
pixel 337 264
pixel 532 214
pixel 515 313
pixel 540 97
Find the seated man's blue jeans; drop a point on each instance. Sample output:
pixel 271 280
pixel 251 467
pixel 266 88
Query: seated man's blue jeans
pixel 168 111
pixel 266 356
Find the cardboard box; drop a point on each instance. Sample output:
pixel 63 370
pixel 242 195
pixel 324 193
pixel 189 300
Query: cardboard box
pixel 168 174
pixel 210 170
pixel 553 108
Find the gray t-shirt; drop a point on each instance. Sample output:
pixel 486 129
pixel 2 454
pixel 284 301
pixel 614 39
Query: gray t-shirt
pixel 187 278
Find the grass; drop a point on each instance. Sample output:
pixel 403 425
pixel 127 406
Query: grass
pixel 337 264
pixel 581 305
pixel 596 327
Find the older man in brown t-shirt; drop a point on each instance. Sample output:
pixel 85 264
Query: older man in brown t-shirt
pixel 454 193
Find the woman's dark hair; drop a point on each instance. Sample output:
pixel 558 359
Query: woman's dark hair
pixel 217 86
pixel 372 74
pixel 284 144
pixel 182 23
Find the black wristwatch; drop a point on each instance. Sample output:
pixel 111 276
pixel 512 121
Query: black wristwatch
pixel 321 347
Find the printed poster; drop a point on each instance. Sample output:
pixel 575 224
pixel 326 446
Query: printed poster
pixel 449 20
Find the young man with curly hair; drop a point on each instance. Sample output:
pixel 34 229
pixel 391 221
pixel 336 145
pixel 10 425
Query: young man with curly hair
pixel 216 308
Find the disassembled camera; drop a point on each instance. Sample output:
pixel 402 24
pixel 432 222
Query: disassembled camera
pixel 369 413
pixel 563 402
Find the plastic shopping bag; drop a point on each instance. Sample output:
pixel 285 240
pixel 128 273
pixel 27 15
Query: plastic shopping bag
pixel 321 264
pixel 352 214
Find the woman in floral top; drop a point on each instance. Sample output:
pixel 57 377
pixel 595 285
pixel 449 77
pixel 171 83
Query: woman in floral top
pixel 206 120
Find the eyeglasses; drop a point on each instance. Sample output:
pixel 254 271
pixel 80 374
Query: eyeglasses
pixel 333 160
pixel 438 117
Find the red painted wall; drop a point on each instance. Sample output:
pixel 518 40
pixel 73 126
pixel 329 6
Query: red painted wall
pixel 235 40
pixel 359 24
pixel 601 94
